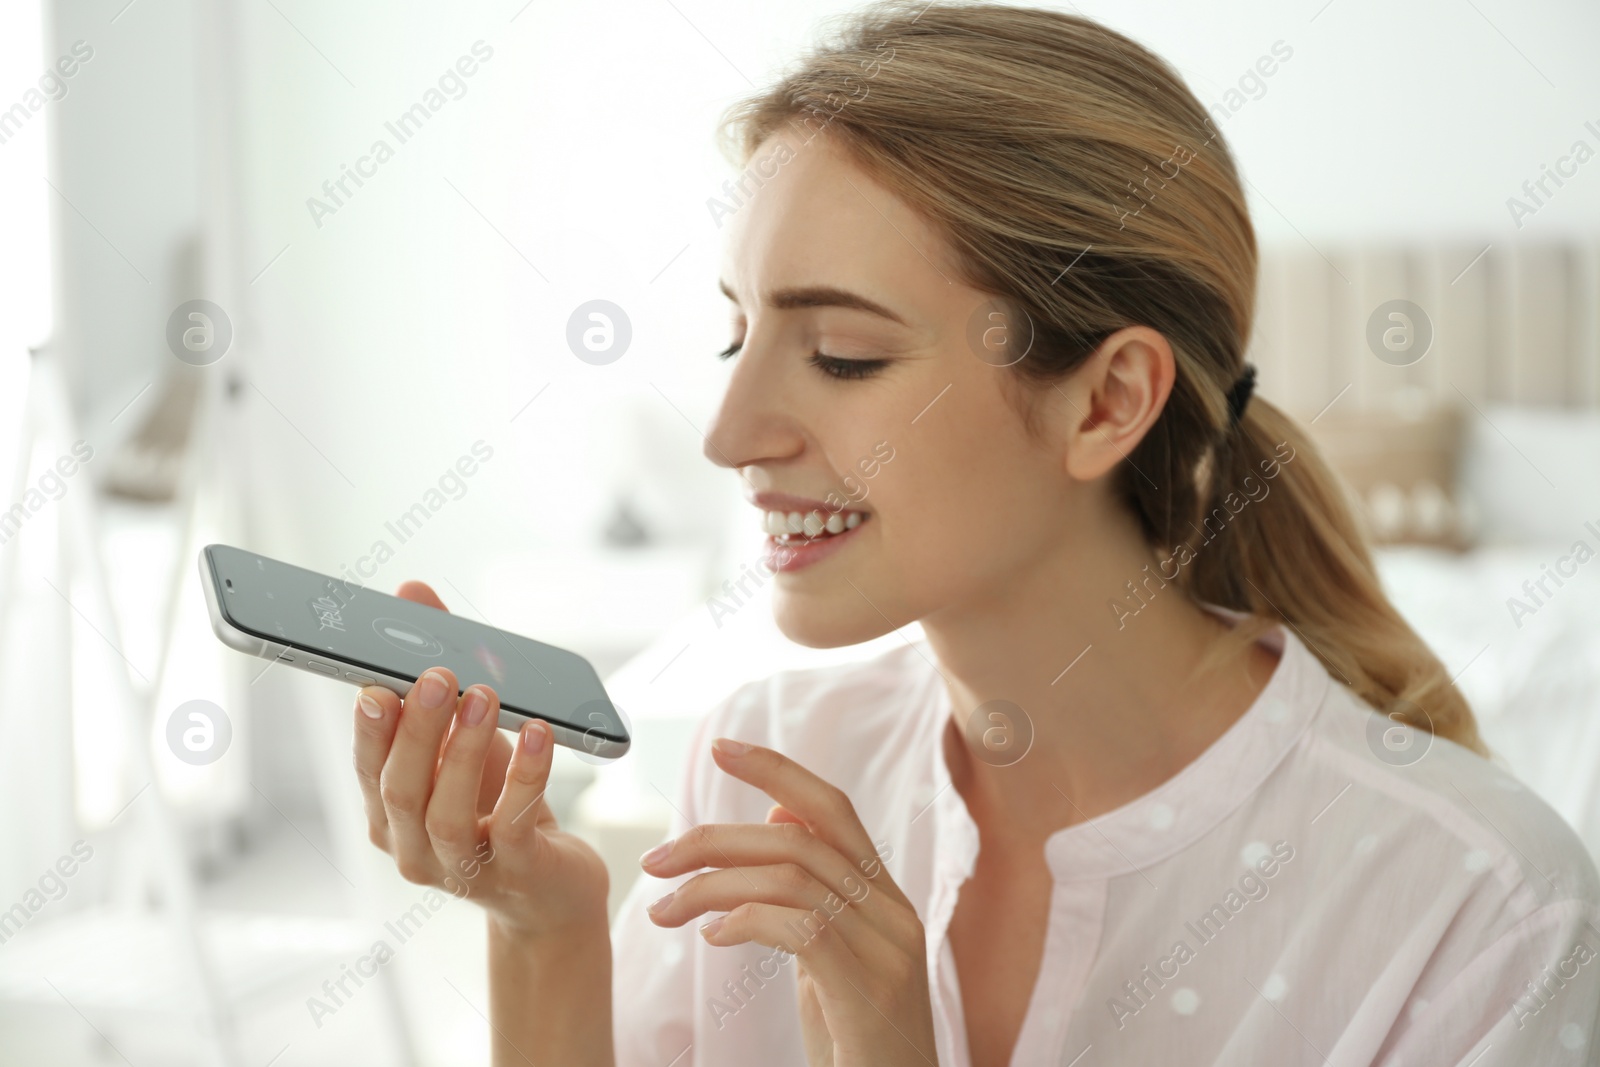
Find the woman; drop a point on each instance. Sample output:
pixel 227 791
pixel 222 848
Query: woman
pixel 1169 781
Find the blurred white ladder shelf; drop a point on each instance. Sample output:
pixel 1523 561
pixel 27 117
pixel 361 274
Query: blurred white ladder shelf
pixel 120 958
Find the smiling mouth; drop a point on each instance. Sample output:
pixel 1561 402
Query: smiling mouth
pixel 797 527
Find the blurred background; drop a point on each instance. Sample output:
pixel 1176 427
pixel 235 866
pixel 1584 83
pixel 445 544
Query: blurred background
pixel 389 218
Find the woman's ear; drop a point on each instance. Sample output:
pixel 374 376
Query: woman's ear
pixel 1112 400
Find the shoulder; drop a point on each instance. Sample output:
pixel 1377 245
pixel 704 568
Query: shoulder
pixel 1439 869
pixel 1457 821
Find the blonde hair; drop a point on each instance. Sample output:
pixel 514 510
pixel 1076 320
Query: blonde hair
pixel 1020 133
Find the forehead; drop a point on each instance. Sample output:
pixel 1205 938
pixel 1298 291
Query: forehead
pixel 813 217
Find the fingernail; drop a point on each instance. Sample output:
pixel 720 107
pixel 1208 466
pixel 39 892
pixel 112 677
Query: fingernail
pixel 369 707
pixel 659 905
pixel 713 926
pixel 655 855
pixel 729 747
pixel 473 706
pixel 432 691
pixel 533 738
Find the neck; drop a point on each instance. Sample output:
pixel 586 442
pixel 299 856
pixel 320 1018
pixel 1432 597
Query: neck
pixel 1112 697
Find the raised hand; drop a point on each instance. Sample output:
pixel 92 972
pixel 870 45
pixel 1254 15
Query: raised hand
pixel 810 883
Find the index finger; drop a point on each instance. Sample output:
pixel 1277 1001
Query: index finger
pixel 421 593
pixel 822 807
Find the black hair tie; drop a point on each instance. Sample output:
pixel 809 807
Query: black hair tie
pixel 1239 395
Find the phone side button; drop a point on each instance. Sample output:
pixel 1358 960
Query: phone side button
pixel 324 668
pixel 359 679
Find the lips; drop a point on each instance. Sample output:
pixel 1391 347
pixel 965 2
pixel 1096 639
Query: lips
pixel 786 502
pixel 792 552
pixel 802 531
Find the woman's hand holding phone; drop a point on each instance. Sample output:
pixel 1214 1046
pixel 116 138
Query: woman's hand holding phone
pixel 459 805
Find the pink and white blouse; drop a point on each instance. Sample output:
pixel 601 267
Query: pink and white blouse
pixel 1305 892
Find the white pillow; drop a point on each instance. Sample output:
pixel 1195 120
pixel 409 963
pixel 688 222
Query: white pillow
pixel 1533 474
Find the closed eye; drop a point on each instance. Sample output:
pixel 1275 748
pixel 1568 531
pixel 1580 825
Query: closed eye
pixel 832 366
pixel 835 367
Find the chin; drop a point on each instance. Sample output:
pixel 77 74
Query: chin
pixel 828 621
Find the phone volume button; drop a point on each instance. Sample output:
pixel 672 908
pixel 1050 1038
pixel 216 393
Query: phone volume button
pixel 359 679
pixel 323 668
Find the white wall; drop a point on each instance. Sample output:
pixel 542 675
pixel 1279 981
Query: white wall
pixel 1393 119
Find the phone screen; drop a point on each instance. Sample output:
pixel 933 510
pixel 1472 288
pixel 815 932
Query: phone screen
pixel 319 614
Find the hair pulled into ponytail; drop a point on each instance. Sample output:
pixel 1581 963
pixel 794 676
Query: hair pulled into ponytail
pixel 1083 184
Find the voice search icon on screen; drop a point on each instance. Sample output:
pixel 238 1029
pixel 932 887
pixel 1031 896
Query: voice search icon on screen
pixel 404 636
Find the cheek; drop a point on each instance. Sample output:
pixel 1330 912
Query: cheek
pixel 963 499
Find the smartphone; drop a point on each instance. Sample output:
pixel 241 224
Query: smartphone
pixel 329 626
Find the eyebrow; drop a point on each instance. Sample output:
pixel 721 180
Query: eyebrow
pixel 815 296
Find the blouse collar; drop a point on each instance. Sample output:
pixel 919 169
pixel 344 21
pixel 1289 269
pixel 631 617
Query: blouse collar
pixel 1163 821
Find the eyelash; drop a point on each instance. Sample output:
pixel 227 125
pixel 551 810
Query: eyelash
pixel 832 366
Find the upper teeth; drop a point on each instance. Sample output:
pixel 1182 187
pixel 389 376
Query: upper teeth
pixel 810 523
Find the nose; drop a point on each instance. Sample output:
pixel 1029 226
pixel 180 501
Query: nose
pixel 754 423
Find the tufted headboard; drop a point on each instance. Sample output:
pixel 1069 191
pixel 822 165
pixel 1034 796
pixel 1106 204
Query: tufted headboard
pixel 1512 324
